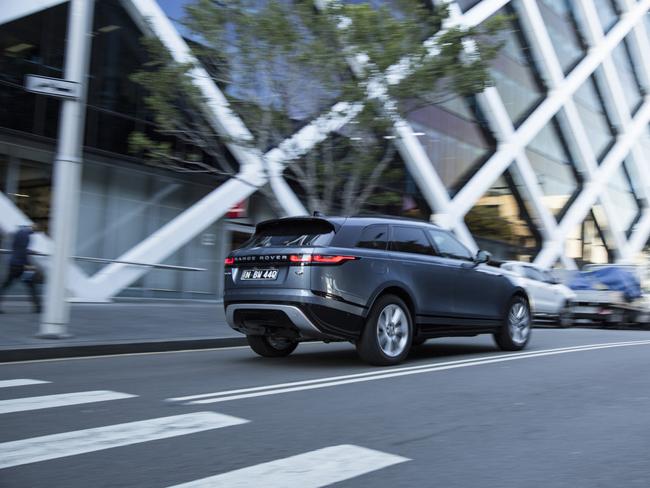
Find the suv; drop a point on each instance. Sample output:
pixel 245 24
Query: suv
pixel 384 284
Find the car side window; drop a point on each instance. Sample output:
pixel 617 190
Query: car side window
pixel 374 237
pixel 410 239
pixel 449 246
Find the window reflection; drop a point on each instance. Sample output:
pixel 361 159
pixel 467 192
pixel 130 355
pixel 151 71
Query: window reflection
pixel 33 192
pixel 456 138
pixel 555 169
pixel 586 243
pixel 628 76
pixel 595 119
pixel 515 75
pixel 567 40
pixel 625 201
pixel 501 224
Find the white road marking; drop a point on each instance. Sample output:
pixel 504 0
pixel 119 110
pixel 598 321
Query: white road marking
pixel 309 470
pixel 20 382
pixel 280 388
pixel 60 400
pixel 66 444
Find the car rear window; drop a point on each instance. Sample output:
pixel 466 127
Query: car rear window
pixel 292 233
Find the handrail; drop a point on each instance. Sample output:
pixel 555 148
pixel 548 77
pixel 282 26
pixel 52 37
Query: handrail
pixel 129 263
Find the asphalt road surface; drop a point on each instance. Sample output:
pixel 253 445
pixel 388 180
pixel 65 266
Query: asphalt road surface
pixel 573 410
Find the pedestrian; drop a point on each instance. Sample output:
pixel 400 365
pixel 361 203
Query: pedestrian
pixel 20 266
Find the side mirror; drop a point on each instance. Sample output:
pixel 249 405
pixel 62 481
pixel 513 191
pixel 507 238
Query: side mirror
pixel 482 257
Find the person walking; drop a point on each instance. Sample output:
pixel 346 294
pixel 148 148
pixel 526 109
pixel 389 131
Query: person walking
pixel 19 266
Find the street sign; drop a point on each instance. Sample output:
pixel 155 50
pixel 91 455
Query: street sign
pixel 54 87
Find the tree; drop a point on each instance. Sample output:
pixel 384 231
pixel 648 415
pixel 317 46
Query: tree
pixel 283 62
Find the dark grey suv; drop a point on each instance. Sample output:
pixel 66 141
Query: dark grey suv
pixel 384 284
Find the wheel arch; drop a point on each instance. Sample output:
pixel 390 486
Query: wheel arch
pixel 520 292
pixel 399 290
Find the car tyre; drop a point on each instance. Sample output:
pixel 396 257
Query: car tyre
pixel 269 347
pixel 514 334
pixel 388 333
pixel 565 318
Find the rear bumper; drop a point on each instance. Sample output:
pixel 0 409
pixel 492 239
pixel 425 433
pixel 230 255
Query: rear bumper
pixel 298 314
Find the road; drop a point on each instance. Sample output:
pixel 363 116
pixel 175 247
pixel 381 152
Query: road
pixel 569 412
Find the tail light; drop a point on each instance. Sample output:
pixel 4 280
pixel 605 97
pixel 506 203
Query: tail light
pixel 320 258
pixel 303 259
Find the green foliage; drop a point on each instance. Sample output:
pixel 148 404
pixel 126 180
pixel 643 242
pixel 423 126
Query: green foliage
pixel 486 221
pixel 282 61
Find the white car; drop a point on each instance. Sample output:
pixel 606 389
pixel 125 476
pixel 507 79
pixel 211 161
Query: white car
pixel 550 299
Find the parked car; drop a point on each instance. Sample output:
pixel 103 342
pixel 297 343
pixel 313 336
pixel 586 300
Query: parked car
pixel 550 300
pixel 380 283
pixel 611 294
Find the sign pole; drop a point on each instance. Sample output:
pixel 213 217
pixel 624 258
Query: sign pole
pixel 67 169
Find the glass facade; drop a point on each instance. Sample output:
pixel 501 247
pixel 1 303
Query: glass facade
pixel 628 76
pixel 624 199
pixel 456 137
pixel 555 168
pixel 515 74
pixel 356 188
pixel 501 223
pixel 594 116
pixel 560 20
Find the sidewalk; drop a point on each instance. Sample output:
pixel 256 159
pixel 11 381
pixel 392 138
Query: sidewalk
pixel 117 328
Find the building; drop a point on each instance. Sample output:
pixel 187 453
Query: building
pixel 551 164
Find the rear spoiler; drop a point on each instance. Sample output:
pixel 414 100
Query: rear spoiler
pixel 314 224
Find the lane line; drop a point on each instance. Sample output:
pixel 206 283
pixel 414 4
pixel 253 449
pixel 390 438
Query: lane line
pixel 60 400
pixel 313 469
pixel 364 377
pixel 35 449
pixel 20 382
pixel 381 372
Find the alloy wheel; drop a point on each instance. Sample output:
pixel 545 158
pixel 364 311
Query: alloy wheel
pixel 519 322
pixel 392 330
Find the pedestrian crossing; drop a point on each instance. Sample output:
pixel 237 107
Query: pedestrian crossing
pixel 313 469
pixel 20 382
pixel 62 400
pixel 55 446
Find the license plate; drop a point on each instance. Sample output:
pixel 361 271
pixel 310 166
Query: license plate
pixel 259 274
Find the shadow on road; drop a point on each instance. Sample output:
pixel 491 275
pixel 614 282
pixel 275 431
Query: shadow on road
pixel 345 356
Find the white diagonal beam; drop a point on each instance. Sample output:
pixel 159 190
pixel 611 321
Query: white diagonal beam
pixel 410 148
pixel 408 145
pixel 640 47
pixel 151 18
pixel 595 187
pixel 618 102
pixel 178 232
pixel 508 149
pixel 531 17
pixel 252 175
